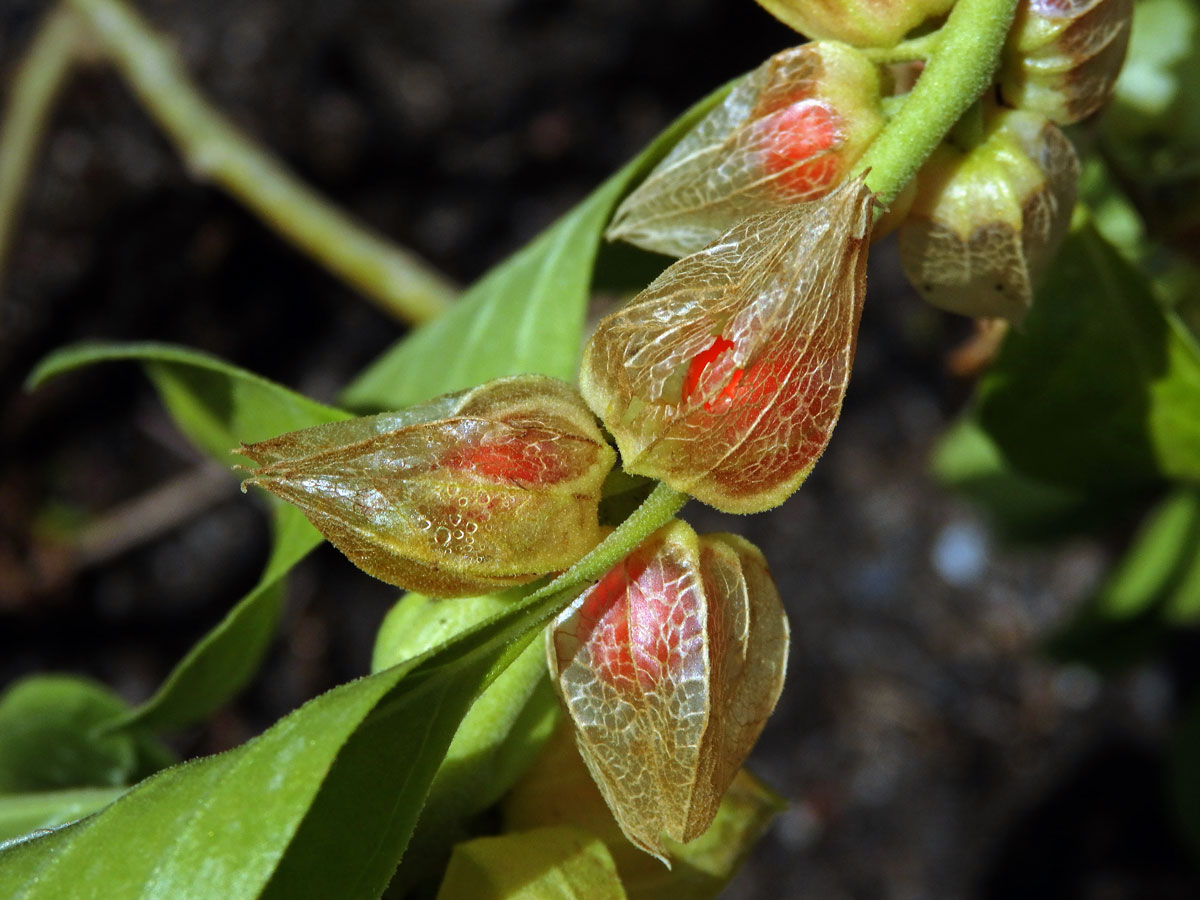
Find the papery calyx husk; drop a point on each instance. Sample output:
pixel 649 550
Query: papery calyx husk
pixel 789 131
pixel 987 222
pixel 863 23
pixel 478 490
pixel 1063 57
pixel 669 667
pixel 724 378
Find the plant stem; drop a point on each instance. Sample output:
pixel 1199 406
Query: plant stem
pixel 215 149
pixel 656 511
pixel 969 131
pixel 42 73
pixel 959 71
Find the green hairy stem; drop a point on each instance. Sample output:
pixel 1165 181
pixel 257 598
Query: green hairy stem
pixel 960 68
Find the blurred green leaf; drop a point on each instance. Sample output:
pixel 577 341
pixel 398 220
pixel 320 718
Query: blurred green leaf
pixel 1173 278
pixel 1151 569
pixel 50 738
pixel 218 406
pixel 21 814
pixel 966 460
pixel 1151 588
pixel 1152 126
pixel 556 863
pixel 525 315
pixel 1099 390
pixel 497 740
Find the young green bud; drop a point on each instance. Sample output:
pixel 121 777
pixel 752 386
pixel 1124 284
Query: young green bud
pixel 474 491
pixel 1063 56
pixel 863 23
pixel 986 222
pixel 558 790
pixel 724 378
pixel 669 667
pixel 789 131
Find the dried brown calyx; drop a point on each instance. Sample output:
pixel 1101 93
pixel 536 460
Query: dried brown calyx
pixel 474 491
pixel 724 378
pixel 669 667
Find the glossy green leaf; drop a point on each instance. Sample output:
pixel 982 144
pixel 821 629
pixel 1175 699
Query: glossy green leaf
pixel 218 406
pixel 50 738
pixel 21 814
pixel 215 404
pixel 556 863
pixel 525 315
pixel 1099 389
pixel 497 740
pixel 226 658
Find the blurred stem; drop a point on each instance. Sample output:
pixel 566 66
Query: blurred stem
pixel 964 60
pixel 968 132
pixel 55 48
pixel 213 148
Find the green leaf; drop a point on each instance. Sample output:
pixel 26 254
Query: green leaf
pixel 1100 389
pixel 49 738
pixel 215 404
pixel 1018 507
pixel 1150 589
pixel 557 863
pixel 21 814
pixel 226 658
pixel 218 406
pixel 1152 127
pixel 319 806
pixel 525 315
pixel 496 742
pixel 323 803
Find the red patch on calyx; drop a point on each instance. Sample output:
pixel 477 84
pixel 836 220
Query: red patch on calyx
pixel 798 145
pixel 524 457
pixel 695 371
pixel 630 625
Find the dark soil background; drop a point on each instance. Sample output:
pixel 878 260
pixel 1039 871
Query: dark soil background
pixel 926 747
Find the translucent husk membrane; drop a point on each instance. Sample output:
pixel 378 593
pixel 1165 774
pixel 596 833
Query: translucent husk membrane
pixel 479 490
pixel 724 378
pixel 789 131
pixel 669 667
